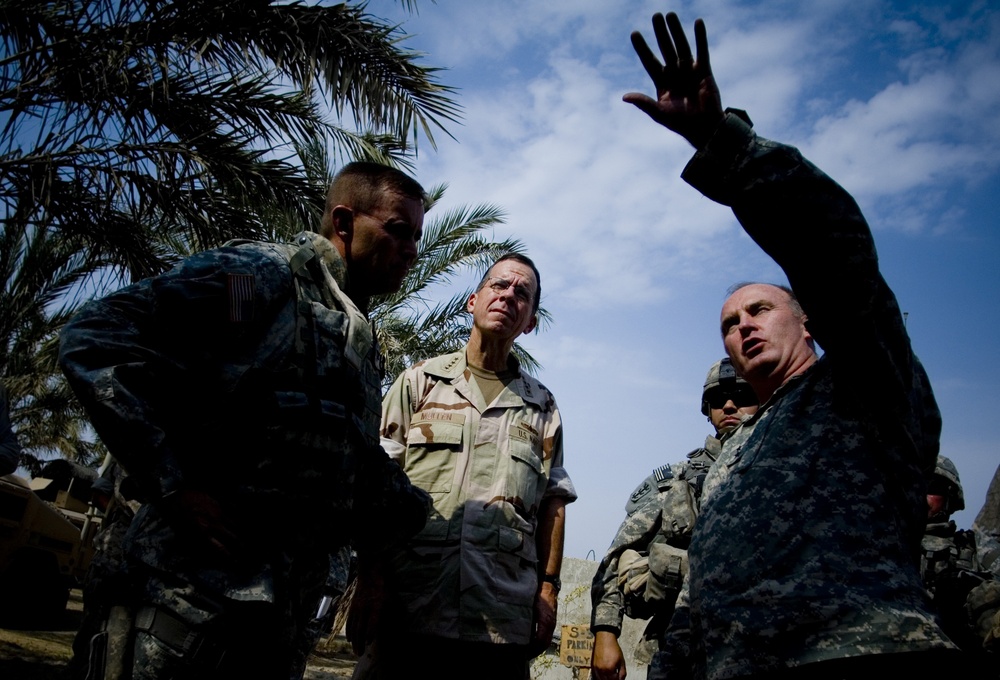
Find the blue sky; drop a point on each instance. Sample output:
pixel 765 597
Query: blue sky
pixel 898 101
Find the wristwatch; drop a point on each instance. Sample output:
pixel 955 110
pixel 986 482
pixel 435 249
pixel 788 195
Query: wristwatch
pixel 554 580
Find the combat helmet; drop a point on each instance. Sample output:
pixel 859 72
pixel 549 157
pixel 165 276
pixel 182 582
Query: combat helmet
pixel 945 470
pixel 721 374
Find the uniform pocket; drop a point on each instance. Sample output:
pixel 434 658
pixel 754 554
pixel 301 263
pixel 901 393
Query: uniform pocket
pixel 526 479
pixel 515 567
pixel 432 450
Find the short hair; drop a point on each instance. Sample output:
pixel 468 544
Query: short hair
pixel 793 300
pixel 792 297
pixel 361 185
pixel 527 262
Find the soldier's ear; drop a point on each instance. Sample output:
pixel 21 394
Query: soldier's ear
pixel 471 304
pixel 531 325
pixel 342 219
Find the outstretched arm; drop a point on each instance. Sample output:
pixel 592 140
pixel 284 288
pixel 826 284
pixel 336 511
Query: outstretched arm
pixel 687 98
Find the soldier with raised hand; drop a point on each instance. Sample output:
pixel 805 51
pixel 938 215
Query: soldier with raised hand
pixel 803 562
pixel 643 570
pixel 241 393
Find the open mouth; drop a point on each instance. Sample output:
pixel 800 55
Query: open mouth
pixel 752 348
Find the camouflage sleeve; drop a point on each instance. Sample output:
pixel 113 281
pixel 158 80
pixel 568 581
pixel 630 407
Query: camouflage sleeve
pixel 147 363
pixel 387 508
pixel 636 532
pixel 815 231
pixel 10 450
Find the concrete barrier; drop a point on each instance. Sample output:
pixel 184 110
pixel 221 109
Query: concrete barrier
pixel 574 609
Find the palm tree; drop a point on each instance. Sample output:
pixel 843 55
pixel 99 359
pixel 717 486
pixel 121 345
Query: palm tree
pixel 133 132
pixel 143 124
pixel 410 328
pixel 38 269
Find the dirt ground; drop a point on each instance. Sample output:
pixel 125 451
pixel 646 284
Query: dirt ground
pixel 44 654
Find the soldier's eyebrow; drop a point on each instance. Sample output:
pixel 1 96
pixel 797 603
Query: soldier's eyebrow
pixel 728 322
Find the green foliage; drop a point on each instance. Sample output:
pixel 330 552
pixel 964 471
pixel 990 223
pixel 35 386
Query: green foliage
pixel 38 269
pixel 135 123
pixel 133 132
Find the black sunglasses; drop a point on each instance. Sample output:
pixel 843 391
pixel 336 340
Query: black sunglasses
pixel 741 397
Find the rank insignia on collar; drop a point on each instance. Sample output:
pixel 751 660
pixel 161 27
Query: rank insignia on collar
pixel 240 296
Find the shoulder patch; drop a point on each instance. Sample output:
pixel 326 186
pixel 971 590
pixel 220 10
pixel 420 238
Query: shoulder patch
pixel 640 492
pixel 663 473
pixel 240 294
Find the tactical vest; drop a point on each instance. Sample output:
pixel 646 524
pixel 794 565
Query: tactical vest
pixel 312 386
pixel 356 361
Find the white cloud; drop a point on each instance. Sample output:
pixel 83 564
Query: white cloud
pixel 899 105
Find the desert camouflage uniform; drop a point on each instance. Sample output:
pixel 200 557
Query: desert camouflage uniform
pixel 806 546
pixel 661 511
pixel 247 373
pixel 471 574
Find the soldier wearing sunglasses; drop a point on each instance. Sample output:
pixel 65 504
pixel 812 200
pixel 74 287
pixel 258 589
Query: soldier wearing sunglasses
pixel 643 570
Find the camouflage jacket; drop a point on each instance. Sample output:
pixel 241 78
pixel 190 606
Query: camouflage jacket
pixel 471 573
pixel 247 373
pixel 662 509
pixel 806 546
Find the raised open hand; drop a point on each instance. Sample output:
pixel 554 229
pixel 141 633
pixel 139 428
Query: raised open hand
pixel 687 98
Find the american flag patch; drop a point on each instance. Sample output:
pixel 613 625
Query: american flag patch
pixel 239 287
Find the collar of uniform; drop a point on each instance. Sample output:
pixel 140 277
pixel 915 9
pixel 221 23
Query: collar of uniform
pixel 713 447
pixel 452 366
pixel 783 389
pixel 335 264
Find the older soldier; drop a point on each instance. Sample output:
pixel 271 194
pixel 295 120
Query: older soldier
pixel 803 562
pixel 643 570
pixel 240 391
pixel 476 589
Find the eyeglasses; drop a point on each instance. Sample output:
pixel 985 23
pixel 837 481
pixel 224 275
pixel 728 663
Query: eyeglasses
pixel 498 286
pixel 741 397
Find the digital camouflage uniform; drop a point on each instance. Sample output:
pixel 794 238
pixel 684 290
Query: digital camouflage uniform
pixel 806 546
pixel 249 374
pixel 660 512
pixel 962 592
pixel 106 584
pixel 471 573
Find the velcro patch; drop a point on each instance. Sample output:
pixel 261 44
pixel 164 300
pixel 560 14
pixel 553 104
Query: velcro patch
pixel 640 492
pixel 525 433
pixel 240 292
pixel 446 416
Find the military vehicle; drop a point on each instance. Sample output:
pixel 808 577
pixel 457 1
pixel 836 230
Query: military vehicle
pixel 44 550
